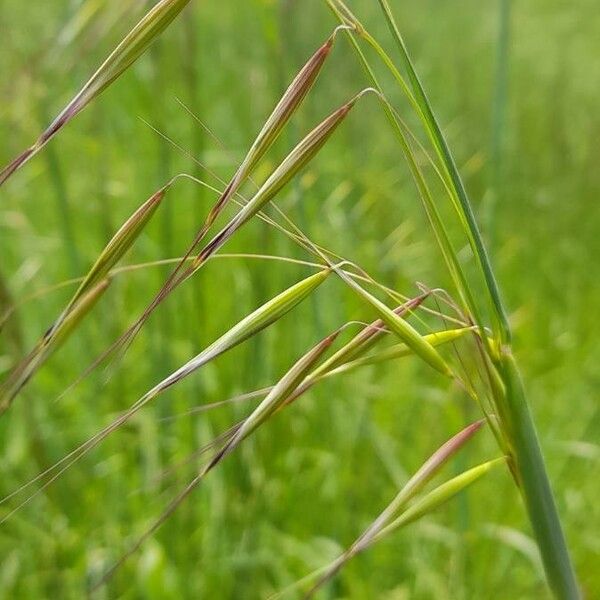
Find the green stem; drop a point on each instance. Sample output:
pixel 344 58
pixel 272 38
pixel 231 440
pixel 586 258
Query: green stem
pixel 535 487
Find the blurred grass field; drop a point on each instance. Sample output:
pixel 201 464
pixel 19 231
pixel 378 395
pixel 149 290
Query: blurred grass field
pixel 309 482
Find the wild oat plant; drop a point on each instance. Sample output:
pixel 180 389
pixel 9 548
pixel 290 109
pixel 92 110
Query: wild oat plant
pixel 479 321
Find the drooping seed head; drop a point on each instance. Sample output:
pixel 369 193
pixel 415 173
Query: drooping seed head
pixel 48 344
pixel 120 243
pixel 276 398
pixel 302 154
pixel 258 320
pixel 135 43
pixel 406 332
pixel 401 350
pixel 440 495
pixel 368 337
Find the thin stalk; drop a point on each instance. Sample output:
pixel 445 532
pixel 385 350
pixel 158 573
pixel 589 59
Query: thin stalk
pixel 537 493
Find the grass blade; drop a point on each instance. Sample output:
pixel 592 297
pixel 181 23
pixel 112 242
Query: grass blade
pixel 560 573
pixel 449 254
pixel 441 146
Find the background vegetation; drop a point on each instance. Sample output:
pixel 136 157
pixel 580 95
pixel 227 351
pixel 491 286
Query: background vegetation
pixel 308 483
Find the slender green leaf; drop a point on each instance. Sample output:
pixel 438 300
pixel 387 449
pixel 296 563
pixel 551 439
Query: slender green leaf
pixel 466 212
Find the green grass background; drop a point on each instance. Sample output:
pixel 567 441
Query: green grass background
pixel 310 481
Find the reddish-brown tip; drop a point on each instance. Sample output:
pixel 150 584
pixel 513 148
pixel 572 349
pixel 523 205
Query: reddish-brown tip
pixel 158 196
pixel 342 111
pixel 412 304
pixel 326 342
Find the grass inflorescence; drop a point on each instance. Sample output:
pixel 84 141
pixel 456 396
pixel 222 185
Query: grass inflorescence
pixel 469 355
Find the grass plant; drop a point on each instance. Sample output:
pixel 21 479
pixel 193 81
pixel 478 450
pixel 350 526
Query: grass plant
pixel 456 330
